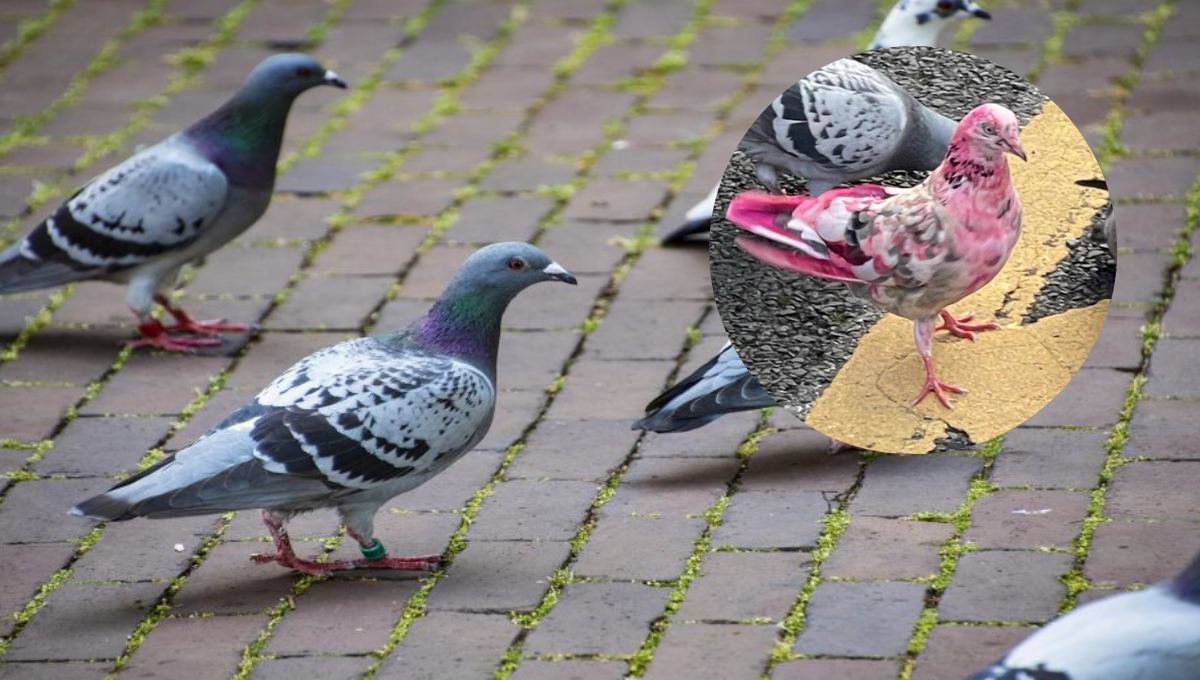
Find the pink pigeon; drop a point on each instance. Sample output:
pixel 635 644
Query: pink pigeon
pixel 912 252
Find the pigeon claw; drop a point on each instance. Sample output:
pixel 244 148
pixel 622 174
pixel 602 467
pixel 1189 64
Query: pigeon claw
pixel 932 384
pixel 414 563
pixel 169 344
pixel 210 327
pixel 960 327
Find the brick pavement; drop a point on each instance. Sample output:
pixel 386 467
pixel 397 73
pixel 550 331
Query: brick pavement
pixel 575 548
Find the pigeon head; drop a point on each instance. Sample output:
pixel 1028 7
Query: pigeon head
pixel 917 22
pixel 992 130
pixel 465 320
pixel 287 75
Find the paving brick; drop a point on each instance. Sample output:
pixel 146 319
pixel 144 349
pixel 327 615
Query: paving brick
pixel 553 450
pixel 672 487
pixel 450 644
pixel 102 447
pixel 588 377
pixel 955 652
pixel 533 669
pixel 1135 491
pixel 536 44
pixel 1162 429
pixel 639 548
pixel 717 439
pixel 1005 586
pixel 724 593
pixel 598 618
pixel 1129 552
pixel 847 669
pixel 341 617
pixel 35 511
pixel 85 622
pixel 1174 54
pixel 27 568
pixel 697 89
pixel 330 303
pixel 1050 459
pixel 590 247
pixel 418 197
pixel 1151 226
pixel 1168 130
pixel 736 44
pixel 799 460
pixel 274 353
pixel 62 356
pixel 875 548
pixel 1081 76
pixel 499 575
pixel 506 87
pixel 636 329
pixel 1170 367
pixel 488 219
pixel 143 550
pixel 721 651
pixel 1182 318
pixel 616 200
pixel 669 274
pixel 1146 177
pixel 246 271
pixel 556 307
pixel 526 174
pixel 327 667
pixel 70 670
pixel 528 510
pixel 228 582
pixel 324 175
pixel 1119 344
pixel 902 485
pixel 171 650
pixel 861 619
pixel 32 413
pixel 142 387
pixel 370 249
pixel 757 519
pixel 514 412
pixel 1013 520
pixel 633 158
pixel 651 20
pixel 1093 398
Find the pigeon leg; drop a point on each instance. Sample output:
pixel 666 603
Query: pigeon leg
pixel 285 556
pixel 960 327
pixel 154 335
pixel 375 557
pixel 185 323
pixel 923 332
pixel 767 174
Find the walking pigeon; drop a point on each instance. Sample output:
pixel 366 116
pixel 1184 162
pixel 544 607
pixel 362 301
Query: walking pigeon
pixel 843 122
pixel 918 22
pixel 171 204
pixel 1110 220
pixel 352 425
pixel 912 252
pixel 720 387
pixel 1153 633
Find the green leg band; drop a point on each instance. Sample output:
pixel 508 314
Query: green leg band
pixel 374 551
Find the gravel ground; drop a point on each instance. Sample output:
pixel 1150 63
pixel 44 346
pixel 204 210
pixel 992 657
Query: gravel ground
pixel 1084 277
pixel 796 332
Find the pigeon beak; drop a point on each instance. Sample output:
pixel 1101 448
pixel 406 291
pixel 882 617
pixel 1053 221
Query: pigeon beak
pixel 555 271
pixel 974 10
pixel 1097 183
pixel 335 80
pixel 1018 151
pixel 981 13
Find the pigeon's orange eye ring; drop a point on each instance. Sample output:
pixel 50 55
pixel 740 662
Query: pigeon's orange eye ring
pixel 517 264
pixel 304 72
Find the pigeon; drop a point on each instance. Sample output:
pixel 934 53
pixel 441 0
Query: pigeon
pixel 918 22
pixel 171 204
pixel 720 387
pixel 912 252
pixel 1153 633
pixel 352 425
pixel 843 122
pixel 1110 220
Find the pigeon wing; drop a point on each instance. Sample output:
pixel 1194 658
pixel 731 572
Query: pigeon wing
pixel 156 202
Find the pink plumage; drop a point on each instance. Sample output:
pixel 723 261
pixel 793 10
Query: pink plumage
pixel 912 252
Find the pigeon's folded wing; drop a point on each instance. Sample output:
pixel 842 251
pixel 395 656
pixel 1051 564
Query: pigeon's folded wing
pixel 156 202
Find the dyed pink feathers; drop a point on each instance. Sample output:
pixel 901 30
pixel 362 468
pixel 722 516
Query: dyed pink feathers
pixel 911 252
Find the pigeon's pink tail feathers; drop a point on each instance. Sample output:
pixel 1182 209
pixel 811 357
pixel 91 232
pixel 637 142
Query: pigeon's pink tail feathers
pixel 797 261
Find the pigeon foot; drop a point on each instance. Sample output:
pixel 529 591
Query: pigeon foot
pixel 960 327
pixel 932 384
pixel 154 335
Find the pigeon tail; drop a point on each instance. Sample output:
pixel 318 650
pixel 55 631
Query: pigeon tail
pixel 1187 584
pixel 698 219
pixel 19 273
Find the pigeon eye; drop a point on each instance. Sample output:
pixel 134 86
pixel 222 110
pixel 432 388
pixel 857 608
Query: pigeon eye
pixel 946 5
pixel 517 264
pixel 304 72
pixel 989 129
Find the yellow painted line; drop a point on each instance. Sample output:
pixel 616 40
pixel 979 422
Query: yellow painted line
pixel 1010 373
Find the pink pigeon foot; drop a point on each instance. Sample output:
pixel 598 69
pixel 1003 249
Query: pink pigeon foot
pixel 154 335
pixel 932 384
pixel 185 323
pixel 285 556
pixel 959 327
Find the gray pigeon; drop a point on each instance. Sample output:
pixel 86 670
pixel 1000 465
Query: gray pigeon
pixel 918 22
pixel 171 204
pixel 352 425
pixel 720 387
pixel 1110 220
pixel 1149 634
pixel 843 122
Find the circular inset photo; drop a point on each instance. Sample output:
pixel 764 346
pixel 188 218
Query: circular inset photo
pixel 912 250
